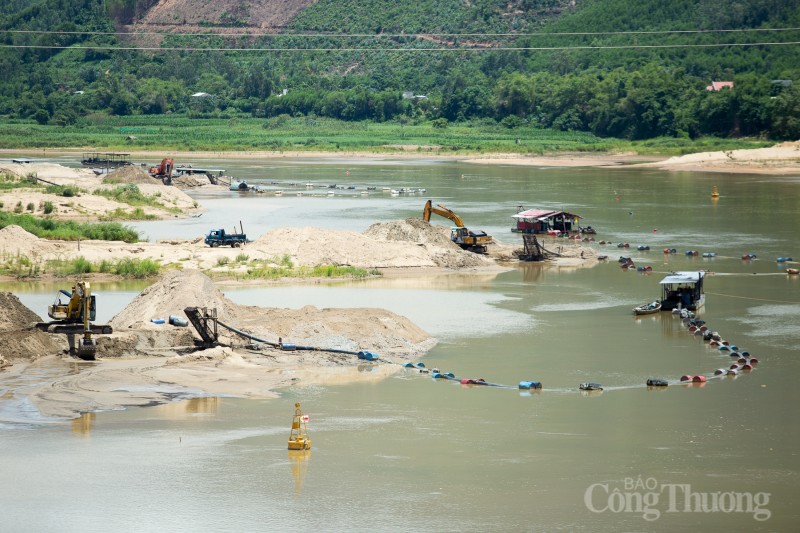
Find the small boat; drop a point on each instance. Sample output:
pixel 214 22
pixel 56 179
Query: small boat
pixel 647 309
pixel 238 185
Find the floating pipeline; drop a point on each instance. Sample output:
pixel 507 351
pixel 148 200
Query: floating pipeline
pixel 744 363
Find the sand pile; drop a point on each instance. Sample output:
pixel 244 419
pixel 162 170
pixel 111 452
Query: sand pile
pixel 170 296
pixel 18 338
pixel 351 329
pixel 314 246
pixel 398 244
pixel 16 241
pixel 128 174
pixel 413 230
pixel 348 329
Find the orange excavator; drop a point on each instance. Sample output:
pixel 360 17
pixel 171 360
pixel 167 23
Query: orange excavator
pixel 164 170
pixel 474 241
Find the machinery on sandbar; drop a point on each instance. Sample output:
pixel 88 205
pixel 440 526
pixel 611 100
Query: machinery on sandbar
pixel 74 318
pixel 474 241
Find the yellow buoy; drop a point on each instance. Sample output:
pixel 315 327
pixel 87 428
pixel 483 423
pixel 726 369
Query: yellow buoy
pixel 714 192
pixel 298 437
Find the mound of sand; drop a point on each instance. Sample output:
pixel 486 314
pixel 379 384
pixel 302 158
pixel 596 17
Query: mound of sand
pixel 175 291
pixel 129 174
pixel 349 329
pixel 398 244
pixel 14 240
pixel 314 246
pixel 414 230
pixel 18 338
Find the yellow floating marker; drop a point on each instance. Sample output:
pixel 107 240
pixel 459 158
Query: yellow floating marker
pixel 714 192
pixel 298 437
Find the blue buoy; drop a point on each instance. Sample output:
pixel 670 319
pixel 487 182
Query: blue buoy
pixel 530 385
pixel 368 356
pixel 157 320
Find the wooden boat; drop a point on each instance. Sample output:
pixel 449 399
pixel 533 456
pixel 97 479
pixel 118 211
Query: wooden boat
pixel 647 309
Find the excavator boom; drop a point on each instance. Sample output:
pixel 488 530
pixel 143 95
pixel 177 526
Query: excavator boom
pixel 442 211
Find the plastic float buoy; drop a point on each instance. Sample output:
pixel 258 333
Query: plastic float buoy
pixel 783 259
pixel 530 385
pixel 687 378
pixel 657 383
pixel 748 257
pixel 742 360
pixel 443 375
pixel 747 367
pixel 746 353
pixel 714 192
pixel 368 356
pixel 734 366
pixel 643 247
pixel 699 379
pixel 724 348
pixel 590 386
pixel 753 361
pixel 720 371
pixel 691 252
pixel 298 437
pixel 732 372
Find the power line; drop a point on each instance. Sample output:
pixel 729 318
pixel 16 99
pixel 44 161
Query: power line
pixel 427 49
pixel 417 35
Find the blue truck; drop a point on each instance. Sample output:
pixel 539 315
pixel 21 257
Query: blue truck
pixel 219 237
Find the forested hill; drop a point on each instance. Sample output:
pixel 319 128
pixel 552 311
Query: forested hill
pixel 624 68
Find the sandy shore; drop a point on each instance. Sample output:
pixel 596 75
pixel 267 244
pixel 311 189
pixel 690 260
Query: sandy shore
pixel 781 159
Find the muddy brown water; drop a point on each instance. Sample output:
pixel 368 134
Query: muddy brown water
pixel 413 454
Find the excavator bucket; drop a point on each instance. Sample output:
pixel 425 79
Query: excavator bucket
pixel 87 349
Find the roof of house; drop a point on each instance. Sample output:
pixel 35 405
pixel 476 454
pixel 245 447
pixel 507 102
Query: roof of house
pixel 542 214
pixel 718 85
pixel 683 277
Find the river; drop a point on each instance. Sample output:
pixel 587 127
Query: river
pixel 413 454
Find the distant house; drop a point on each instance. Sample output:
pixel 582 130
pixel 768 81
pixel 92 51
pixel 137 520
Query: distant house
pixel 200 95
pixel 409 95
pixel 719 85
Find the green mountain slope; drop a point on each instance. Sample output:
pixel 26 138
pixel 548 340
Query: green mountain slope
pixel 525 63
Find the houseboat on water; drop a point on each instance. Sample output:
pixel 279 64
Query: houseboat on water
pixel 683 290
pixel 546 221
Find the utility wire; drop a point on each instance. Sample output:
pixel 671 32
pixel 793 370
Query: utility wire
pixel 244 32
pixel 428 49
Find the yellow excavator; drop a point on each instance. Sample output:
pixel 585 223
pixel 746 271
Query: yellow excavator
pixel 474 241
pixel 74 318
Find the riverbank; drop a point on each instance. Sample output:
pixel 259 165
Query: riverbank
pixel 780 159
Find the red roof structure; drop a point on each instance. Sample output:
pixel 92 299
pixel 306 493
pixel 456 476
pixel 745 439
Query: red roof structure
pixel 719 85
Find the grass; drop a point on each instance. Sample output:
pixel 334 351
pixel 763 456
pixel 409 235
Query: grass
pixel 131 195
pixel 126 268
pixel 69 230
pixel 276 268
pixel 177 132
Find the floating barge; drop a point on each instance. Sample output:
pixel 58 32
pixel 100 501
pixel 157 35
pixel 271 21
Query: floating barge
pixel 546 221
pixel 98 159
pixel 683 290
